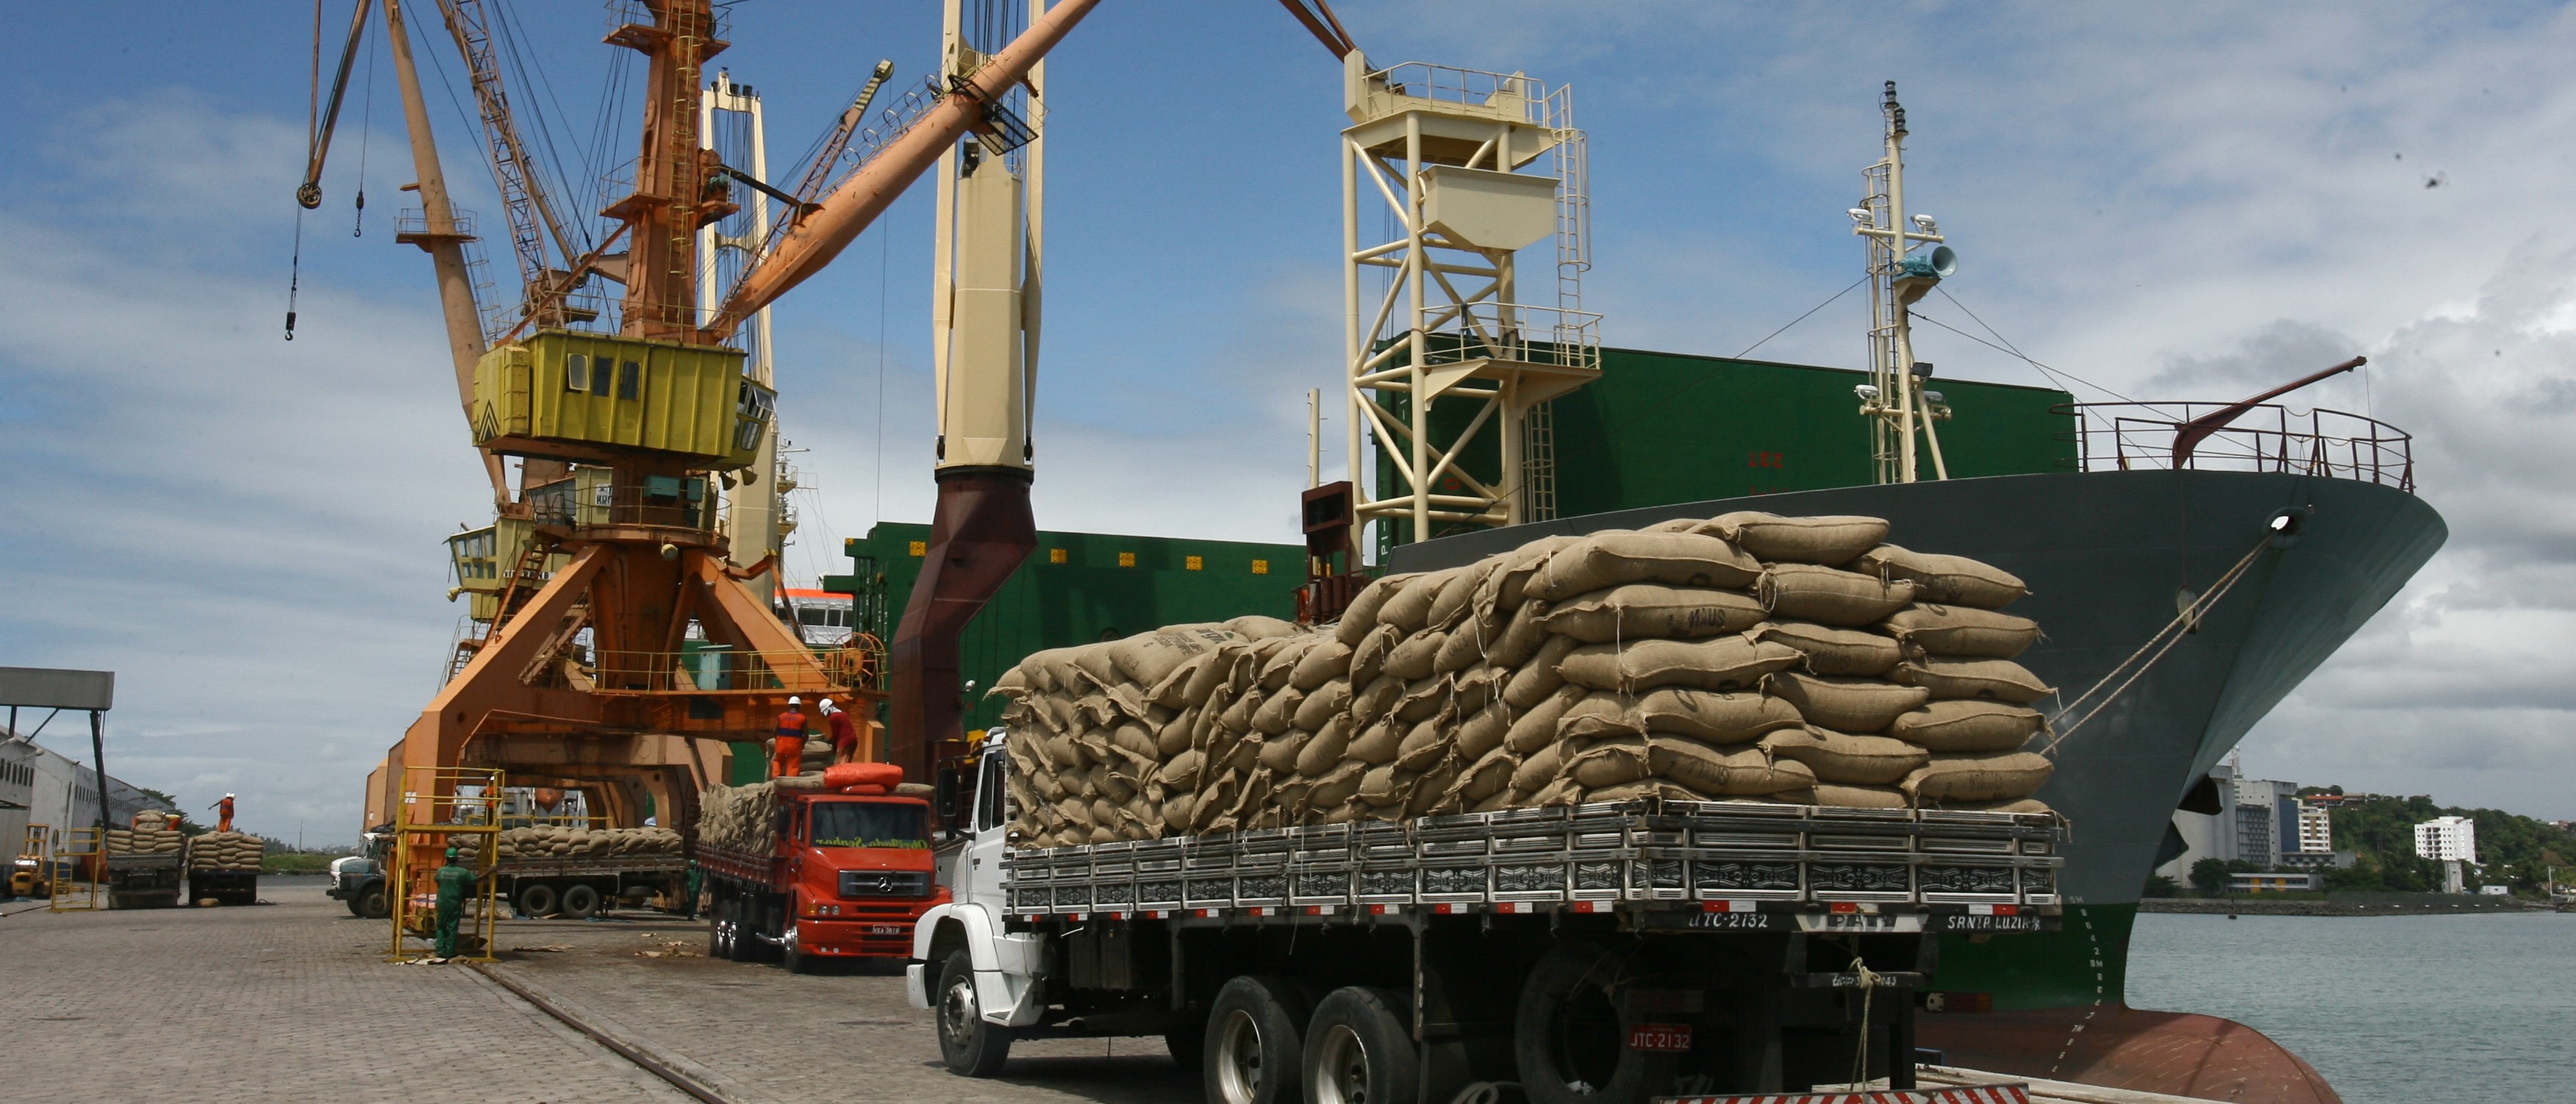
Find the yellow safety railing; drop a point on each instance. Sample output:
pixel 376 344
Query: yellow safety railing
pixel 78 868
pixel 443 807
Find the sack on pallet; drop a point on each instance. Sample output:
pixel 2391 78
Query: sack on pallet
pixel 1950 580
pixel 1860 797
pixel 1742 772
pixel 1609 559
pixel 1638 610
pixel 1958 679
pixel 1968 725
pixel 1988 776
pixel 1832 651
pixel 1718 663
pixel 1861 706
pixel 1829 540
pixel 1963 631
pixel 1845 759
pixel 1829 596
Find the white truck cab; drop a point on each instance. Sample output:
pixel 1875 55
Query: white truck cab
pixel 981 979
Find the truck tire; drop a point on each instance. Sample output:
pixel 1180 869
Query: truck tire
pixel 580 901
pixel 738 937
pixel 1570 1035
pixel 791 952
pixel 372 903
pixel 1359 1049
pixel 354 908
pixel 1255 1040
pixel 969 1046
pixel 536 899
pixel 716 938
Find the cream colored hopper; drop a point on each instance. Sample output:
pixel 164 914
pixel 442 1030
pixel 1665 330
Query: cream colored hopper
pixel 1487 209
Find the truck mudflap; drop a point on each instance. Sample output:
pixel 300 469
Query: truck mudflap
pixel 2007 1093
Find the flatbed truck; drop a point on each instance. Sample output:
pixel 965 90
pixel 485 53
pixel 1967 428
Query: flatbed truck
pixel 144 880
pixel 575 886
pixel 1599 954
pixel 846 877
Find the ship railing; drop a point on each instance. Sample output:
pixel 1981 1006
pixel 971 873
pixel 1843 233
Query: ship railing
pixel 858 664
pixel 680 503
pixel 2269 437
pixel 1517 332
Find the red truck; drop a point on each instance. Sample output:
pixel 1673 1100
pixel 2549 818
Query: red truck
pixel 847 873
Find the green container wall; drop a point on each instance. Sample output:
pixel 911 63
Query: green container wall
pixel 1088 597
pixel 1669 427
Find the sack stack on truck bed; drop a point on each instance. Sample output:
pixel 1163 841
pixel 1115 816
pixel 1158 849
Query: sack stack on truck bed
pixel 144 841
pixel 540 842
pixel 1745 657
pixel 740 818
pixel 226 851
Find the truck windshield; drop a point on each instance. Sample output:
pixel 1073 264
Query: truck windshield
pixel 871 824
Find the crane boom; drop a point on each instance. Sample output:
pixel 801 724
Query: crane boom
pixel 838 142
pixel 523 195
pixel 318 143
pixel 856 203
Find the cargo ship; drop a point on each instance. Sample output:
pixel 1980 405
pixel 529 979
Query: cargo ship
pixel 2084 501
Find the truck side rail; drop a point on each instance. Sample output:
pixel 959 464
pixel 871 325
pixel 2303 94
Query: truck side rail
pixel 1724 856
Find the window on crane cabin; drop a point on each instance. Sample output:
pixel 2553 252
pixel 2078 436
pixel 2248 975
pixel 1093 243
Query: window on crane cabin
pixel 599 373
pixel 576 372
pixel 630 378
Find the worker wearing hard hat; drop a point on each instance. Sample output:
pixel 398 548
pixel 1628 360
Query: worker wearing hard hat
pixel 787 747
pixel 845 735
pixel 455 883
pixel 224 814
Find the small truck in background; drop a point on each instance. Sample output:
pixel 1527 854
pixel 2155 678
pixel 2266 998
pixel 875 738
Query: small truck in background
pixel 847 871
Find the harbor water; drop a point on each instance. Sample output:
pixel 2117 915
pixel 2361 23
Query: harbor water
pixel 2392 1010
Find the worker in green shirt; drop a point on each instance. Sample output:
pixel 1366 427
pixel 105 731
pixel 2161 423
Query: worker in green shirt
pixel 455 882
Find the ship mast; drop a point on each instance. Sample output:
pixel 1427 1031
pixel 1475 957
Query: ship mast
pixel 1894 400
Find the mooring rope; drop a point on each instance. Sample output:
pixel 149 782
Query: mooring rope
pixel 2161 643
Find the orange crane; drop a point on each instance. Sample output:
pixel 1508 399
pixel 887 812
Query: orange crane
pixel 583 674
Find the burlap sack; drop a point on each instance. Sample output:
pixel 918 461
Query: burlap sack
pixel 1968 725
pixel 1639 610
pixel 1845 759
pixel 1609 559
pixel 1257 627
pixel 1663 788
pixel 1413 659
pixel 1174 735
pixel 1829 541
pixel 2023 805
pixel 1326 660
pixel 1962 631
pixel 1330 745
pixel 1745 771
pixel 1545 765
pixel 1368 660
pixel 1861 706
pixel 1612 760
pixel 1378 742
pixel 1461 648
pixel 1375 699
pixel 1955 679
pixel 1482 730
pixel 1832 651
pixel 1506 587
pixel 1522 636
pixel 1491 774
pixel 1278 712
pixel 1279 753
pixel 1144 659
pixel 1214 672
pixel 1425 744
pixel 1338 785
pixel 1505 798
pixel 1280 667
pixel 1327 701
pixel 1410 609
pixel 1422 698
pixel 1806 592
pixel 1709 716
pixel 1950 580
pixel 1718 663
pixel 1358 620
pixel 1536 727
pixel 1456 597
pixel 1989 776
pixel 1860 797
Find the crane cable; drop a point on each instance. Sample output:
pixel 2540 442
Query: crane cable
pixel 312 122
pixel 366 134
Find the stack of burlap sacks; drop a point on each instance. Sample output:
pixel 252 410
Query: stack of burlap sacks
pixel 741 818
pixel 144 840
pixel 1746 656
pixel 226 851
pixel 568 841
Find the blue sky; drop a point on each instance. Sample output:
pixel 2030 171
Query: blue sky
pixel 2189 201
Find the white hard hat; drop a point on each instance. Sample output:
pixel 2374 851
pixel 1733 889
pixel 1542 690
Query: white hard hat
pixel 827 705
pixel 228 797
pixel 794 700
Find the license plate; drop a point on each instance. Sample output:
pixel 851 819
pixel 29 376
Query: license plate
pixel 885 929
pixel 1860 921
pixel 1669 1038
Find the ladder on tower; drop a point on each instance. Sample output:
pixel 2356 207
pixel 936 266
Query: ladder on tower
pixel 525 578
pixel 1538 462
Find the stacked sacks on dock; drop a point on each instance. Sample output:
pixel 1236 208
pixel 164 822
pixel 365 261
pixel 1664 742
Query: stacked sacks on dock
pixel 227 851
pixel 568 841
pixel 144 841
pixel 1741 657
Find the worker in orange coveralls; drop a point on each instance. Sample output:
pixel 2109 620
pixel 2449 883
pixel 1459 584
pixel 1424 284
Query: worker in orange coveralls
pixel 787 748
pixel 224 814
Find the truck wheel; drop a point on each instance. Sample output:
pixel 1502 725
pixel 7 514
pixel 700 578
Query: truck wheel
pixel 791 952
pixel 1254 1042
pixel 354 908
pixel 580 901
pixel 536 899
pixel 1571 1037
pixel 969 1046
pixel 1359 1049
pixel 738 932
pixel 372 904
pixel 716 948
